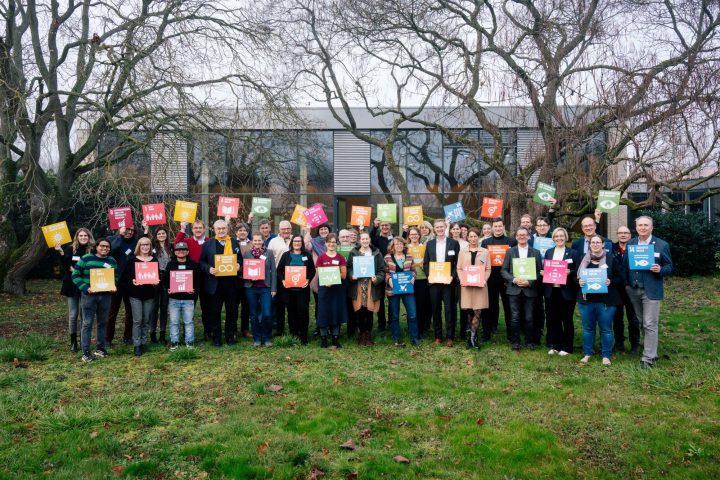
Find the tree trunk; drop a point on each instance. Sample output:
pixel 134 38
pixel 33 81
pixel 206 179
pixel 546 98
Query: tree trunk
pixel 22 261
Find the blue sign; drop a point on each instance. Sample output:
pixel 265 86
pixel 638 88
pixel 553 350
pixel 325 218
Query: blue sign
pixel 454 212
pixel 641 257
pixel 363 266
pixel 594 280
pixel 402 283
pixel 543 244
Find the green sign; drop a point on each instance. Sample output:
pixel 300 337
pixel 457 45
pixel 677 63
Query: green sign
pixel 328 276
pixel 524 268
pixel 261 207
pixel 387 212
pixel 543 194
pixel 608 201
pixel 345 250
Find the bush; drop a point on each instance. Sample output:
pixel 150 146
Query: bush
pixel 694 241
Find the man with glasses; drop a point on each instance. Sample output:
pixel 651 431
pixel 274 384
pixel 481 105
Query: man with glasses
pixel 619 251
pixel 589 227
pixel 277 246
pixel 381 235
pixel 542 234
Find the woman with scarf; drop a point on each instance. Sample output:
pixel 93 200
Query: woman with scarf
pixel 82 244
pixel 367 292
pixel 599 308
pixel 398 260
pixel 260 293
pixel 331 299
pixel 473 299
pixel 297 298
pixel 242 233
pixel 163 252
pixel 426 232
pixel 316 246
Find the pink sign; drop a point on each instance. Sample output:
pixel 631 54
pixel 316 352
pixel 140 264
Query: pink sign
pixel 472 276
pixel 181 281
pixel 253 269
pixel 120 217
pixel 555 272
pixel 315 215
pixel 228 207
pixel 146 273
pixel 154 213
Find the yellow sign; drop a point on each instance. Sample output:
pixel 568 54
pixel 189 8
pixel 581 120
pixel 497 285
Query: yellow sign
pixel 413 215
pixel 417 252
pixel 440 273
pixel 57 233
pixel 225 265
pixel 185 211
pixel 297 217
pixel 102 280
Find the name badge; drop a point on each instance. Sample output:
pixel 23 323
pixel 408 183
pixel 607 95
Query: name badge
pixel 75 258
pixel 106 265
pixel 451 253
pixel 657 254
pixel 335 262
pixel 262 257
pixel 604 266
pixel 128 251
pixel 569 260
pixel 154 251
pixel 304 259
pixel 182 267
pixel 200 242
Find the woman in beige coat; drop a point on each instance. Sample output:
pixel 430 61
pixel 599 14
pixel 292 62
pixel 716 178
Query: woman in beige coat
pixel 473 298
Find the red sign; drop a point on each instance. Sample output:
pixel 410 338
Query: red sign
pixel 491 208
pixel 146 273
pixel 154 214
pixel 315 215
pixel 120 217
pixel 555 272
pixel 253 269
pixel 472 276
pixel 295 277
pixel 181 281
pixel 228 207
pixel 497 254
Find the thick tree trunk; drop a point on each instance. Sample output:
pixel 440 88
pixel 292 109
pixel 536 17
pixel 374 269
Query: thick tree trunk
pixel 22 261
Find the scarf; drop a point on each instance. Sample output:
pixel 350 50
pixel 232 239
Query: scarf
pixel 256 252
pixel 228 244
pixel 318 245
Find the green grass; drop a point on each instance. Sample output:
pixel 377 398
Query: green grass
pixel 454 413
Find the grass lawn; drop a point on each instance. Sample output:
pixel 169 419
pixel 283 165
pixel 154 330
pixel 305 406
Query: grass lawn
pixel 285 411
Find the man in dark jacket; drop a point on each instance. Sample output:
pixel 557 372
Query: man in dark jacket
pixel 620 251
pixel 442 249
pixel 496 284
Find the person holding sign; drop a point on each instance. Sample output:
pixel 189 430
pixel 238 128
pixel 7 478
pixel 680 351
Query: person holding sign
pixel 439 250
pixel 590 226
pixel 95 299
pixel 381 236
pixel 221 281
pixel 626 308
pixel 421 287
pixel 195 242
pixel 82 244
pixel 295 271
pixel 141 285
pixel 163 251
pixel 520 271
pixel 276 248
pixel 399 265
pixel 179 279
pixel 331 299
pixel 366 290
pixel 497 246
pixel 473 267
pixel 645 287
pixel 540 240
pixel 599 308
pixel 560 294
pixel 260 289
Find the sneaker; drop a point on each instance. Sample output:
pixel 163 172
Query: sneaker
pixel 257 344
pixel 585 359
pixel 552 351
pixel 606 361
pixel 399 344
pixel 189 345
pixel 563 353
pixel 645 365
pixel 87 358
pixel 173 346
pixel 100 352
pixel 268 344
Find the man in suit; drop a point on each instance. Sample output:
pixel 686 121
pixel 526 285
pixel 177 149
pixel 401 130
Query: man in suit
pixel 620 251
pixel 589 227
pixel 521 292
pixel 496 284
pixel 645 287
pixel 222 289
pixel 442 249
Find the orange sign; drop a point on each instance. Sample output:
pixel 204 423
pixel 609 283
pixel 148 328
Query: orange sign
pixel 413 215
pixel 225 265
pixel 102 279
pixel 360 216
pixel 418 253
pixel 491 208
pixel 440 273
pixel 297 217
pixel 295 277
pixel 497 254
pixel 472 276
pixel 57 233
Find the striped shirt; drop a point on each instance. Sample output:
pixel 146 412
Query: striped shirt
pixel 81 274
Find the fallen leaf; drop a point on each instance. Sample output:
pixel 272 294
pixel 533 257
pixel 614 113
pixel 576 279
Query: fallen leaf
pixel 127 457
pixel 413 353
pixel 400 459
pixel 261 449
pixel 480 422
pixel 315 473
pixel 142 454
pixel 93 434
pixel 107 425
pixel 492 403
pixel 445 417
pixel 118 470
pixel 349 445
pixel 325 452
pixel 365 433
pixel 351 476
pixel 219 400
pixel 336 381
pixel 275 387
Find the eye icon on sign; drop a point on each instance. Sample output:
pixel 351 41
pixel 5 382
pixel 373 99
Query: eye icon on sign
pixel 544 196
pixel 261 209
pixel 608 204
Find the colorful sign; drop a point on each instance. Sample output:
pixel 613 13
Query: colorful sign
pixel 56 234
pixel 387 212
pixel 497 254
pixel 295 277
pixel 543 244
pixel 328 276
pixel 641 257
pixel 261 207
pixel 345 250
pixel 185 211
pixel 544 193
pixel 297 217
pixel 363 266
pixel 315 215
pixel 228 207
pixel 472 276
pixel 253 269
pixel 524 268
pixel 454 212
pixel 102 280
pixel 555 272
pixel 440 272
pixel 418 253
pixel 181 281
pixel 594 280
pixel 402 283
pixel 120 217
pixel 226 265
pixel 146 273
pixel 491 208
pixel 360 216
pixel 608 201
pixel 413 215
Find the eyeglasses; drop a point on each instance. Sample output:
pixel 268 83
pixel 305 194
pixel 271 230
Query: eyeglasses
pixel 596 243
pixel 103 246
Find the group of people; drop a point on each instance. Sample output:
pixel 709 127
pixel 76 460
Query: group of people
pixel 400 274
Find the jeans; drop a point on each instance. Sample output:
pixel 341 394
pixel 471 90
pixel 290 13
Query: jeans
pixel 521 304
pixel 593 313
pixel 261 321
pixel 648 313
pixel 408 300
pixel 73 315
pixel 141 314
pixel 94 306
pixel 186 309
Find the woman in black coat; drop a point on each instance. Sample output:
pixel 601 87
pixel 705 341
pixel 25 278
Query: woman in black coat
pixel 297 299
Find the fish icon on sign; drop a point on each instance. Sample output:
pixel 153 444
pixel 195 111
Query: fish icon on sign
pixel 641 263
pixel 594 286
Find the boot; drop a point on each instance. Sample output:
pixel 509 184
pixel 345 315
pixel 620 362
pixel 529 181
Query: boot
pixel 138 351
pixel 323 341
pixel 162 337
pixel 368 339
pixel 336 341
pixel 153 337
pixel 361 338
pixel 73 342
